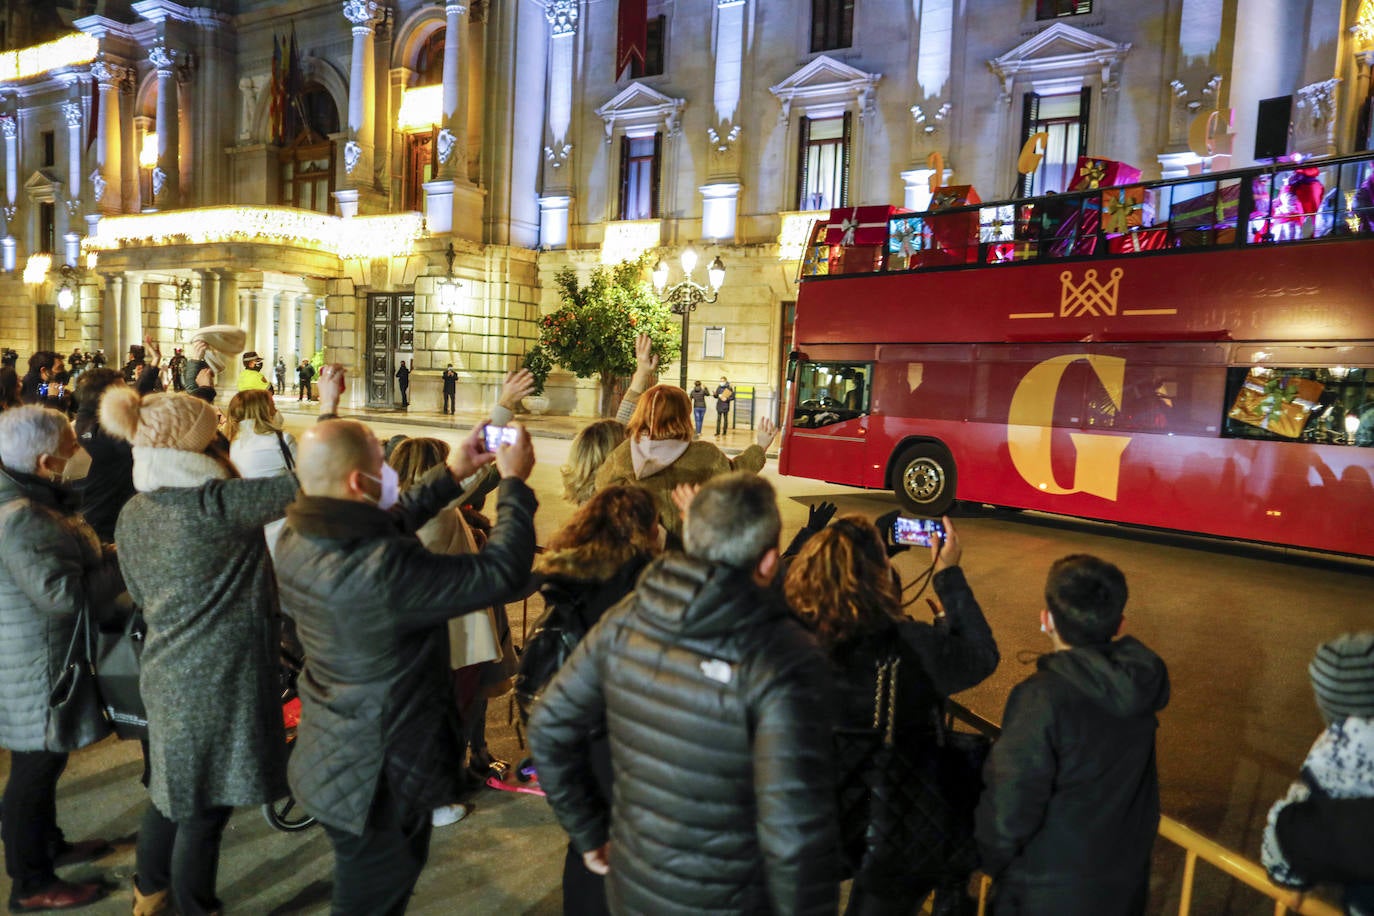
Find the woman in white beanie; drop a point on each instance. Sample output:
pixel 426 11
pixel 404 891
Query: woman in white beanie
pixel 210 663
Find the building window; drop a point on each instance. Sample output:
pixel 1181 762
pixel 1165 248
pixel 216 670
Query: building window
pixel 653 49
pixel 429 62
pixel 307 163
pixel 1054 9
pixel 640 164
pixel 47 227
pixel 49 148
pixel 1064 119
pixel 832 24
pixel 419 168
pixel 823 172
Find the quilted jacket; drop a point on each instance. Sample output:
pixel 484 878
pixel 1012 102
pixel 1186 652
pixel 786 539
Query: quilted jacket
pixel 717 706
pixel 370 605
pixel 51 564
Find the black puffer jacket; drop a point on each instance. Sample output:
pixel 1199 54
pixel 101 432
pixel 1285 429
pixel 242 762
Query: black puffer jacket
pixel 717 705
pixel 370 605
pixel 1069 815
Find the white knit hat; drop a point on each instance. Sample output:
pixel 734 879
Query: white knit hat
pixel 221 342
pixel 176 421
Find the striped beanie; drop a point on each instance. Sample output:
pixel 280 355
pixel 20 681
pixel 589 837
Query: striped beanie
pixel 1343 677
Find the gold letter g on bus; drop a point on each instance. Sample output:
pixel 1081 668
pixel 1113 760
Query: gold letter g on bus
pixel 1097 457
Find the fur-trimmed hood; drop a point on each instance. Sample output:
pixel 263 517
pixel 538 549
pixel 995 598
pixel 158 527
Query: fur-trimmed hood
pixel 159 468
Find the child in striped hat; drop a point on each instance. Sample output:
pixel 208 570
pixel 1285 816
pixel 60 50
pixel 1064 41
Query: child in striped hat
pixel 1341 762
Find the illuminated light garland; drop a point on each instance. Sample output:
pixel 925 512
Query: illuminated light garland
pixel 421 108
pixel 626 240
pixel 68 51
pixel 795 233
pixel 391 235
pixel 1364 24
pixel 36 269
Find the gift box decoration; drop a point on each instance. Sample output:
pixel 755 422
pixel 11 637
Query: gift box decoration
pixel 859 225
pixel 954 195
pixel 1138 240
pixel 997 224
pixel 1280 404
pixel 954 234
pixel 1094 172
pixel 906 235
pixel 1219 205
pixel 856 259
pixel 1123 209
pixel 816 261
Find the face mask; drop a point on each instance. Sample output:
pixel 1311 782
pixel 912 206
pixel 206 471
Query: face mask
pixel 391 487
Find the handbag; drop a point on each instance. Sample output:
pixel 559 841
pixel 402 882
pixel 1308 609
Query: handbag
pixel 906 808
pixel 118 661
pixel 75 714
pixel 285 453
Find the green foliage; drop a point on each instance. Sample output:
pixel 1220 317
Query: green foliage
pixel 592 334
pixel 538 362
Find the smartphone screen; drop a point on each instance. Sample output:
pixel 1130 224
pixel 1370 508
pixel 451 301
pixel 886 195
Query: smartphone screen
pixel 918 532
pixel 498 436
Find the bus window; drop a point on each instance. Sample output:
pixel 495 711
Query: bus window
pixel 1333 406
pixel 831 393
pixel 1171 400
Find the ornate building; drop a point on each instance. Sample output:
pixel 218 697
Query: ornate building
pixel 301 167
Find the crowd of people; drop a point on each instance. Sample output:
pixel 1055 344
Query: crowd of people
pixel 696 720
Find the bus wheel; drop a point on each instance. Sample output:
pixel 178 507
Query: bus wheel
pixel 925 480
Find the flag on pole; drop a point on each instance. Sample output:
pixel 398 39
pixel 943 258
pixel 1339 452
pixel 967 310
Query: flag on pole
pixel 632 33
pixel 291 90
pixel 275 99
pixel 94 120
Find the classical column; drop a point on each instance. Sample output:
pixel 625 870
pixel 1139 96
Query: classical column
pixel 263 331
pixel 131 318
pixel 166 174
pixel 10 128
pixel 109 314
pixel 361 92
pixel 71 113
pixel 107 185
pixel 184 71
pixel 286 333
pixel 209 289
pixel 228 298
pixel 556 202
pixel 309 317
pixel 452 141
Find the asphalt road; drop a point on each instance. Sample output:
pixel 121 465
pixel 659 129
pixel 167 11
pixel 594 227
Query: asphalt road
pixel 1236 624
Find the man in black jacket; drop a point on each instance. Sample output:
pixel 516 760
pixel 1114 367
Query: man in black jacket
pixel 379 744
pixel 1069 815
pixel 716 703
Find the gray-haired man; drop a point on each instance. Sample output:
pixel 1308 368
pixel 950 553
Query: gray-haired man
pixel 716 704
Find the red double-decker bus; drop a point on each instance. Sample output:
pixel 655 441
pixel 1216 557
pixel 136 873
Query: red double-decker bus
pixel 1194 354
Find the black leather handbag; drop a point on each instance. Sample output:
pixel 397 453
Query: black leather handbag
pixel 118 660
pixel 75 714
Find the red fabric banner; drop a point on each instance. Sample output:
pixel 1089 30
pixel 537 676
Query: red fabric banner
pixel 632 33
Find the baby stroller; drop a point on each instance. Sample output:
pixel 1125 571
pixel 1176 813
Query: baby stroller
pixel 284 814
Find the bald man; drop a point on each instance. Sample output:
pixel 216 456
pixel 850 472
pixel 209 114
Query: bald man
pixel 379 744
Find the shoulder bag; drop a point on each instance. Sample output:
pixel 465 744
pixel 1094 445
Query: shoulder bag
pixel 285 452
pixel 76 717
pixel 119 658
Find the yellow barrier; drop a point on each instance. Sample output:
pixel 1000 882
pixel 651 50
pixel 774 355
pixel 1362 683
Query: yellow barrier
pixel 1195 846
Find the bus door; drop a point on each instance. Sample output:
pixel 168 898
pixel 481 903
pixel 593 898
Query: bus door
pixel 830 418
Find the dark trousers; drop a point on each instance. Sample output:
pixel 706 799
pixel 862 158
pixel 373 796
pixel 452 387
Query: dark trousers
pixel 584 892
pixel 722 422
pixel 183 857
pixel 405 395
pixel 449 398
pixel 29 828
pixel 375 874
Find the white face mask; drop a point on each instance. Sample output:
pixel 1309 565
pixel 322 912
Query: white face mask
pixel 391 487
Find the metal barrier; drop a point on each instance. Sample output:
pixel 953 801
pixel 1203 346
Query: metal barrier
pixel 1195 846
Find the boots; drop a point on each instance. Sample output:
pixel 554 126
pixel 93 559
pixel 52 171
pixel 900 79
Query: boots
pixel 151 904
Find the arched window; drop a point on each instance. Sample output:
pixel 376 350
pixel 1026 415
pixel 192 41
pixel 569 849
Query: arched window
pixel 307 161
pixel 429 61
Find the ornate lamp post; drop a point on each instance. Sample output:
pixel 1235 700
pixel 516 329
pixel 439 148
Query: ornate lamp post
pixel 69 292
pixel 449 290
pixel 684 296
pixel 188 316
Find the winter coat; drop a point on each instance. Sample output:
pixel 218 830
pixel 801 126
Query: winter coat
pixel 724 394
pixel 1068 817
pixel 258 454
pixel 716 701
pixel 698 464
pixel 253 380
pixel 193 554
pixel 51 565
pixel 1331 841
pixel 472 638
pixel 370 605
pixel 698 396
pixel 109 482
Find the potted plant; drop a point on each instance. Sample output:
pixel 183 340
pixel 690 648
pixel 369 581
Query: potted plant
pixel 538 362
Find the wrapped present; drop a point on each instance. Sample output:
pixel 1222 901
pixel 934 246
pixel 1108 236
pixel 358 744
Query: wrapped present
pixel 1138 240
pixel 1095 172
pixel 1281 404
pixel 1007 252
pixel 816 261
pixel 1219 205
pixel 1123 209
pixel 859 225
pixel 954 195
pixel 953 237
pixel 997 224
pixel 906 235
pixel 856 259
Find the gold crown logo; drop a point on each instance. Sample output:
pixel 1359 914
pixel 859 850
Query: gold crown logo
pixel 1089 297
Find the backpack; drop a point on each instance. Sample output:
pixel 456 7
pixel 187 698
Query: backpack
pixel 550 645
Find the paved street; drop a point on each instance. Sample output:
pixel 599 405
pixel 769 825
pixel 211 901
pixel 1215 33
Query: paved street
pixel 1236 624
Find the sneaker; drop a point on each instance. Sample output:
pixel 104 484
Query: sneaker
pixel 448 814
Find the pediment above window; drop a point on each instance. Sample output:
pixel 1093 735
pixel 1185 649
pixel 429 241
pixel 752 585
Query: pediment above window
pixel 641 107
pixel 43 185
pixel 825 82
pixel 1058 51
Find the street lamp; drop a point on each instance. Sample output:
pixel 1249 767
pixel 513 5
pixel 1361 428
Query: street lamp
pixel 684 296
pixel 69 290
pixel 187 314
pixel 449 289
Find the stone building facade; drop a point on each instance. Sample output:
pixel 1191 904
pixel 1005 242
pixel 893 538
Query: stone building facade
pixel 150 150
